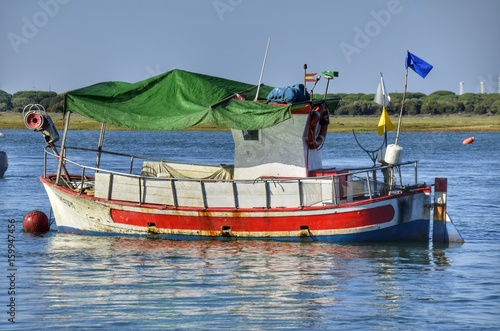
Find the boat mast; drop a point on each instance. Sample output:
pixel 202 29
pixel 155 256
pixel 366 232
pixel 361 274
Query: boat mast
pixel 402 107
pixel 62 154
pixel 383 106
pixel 305 78
pixel 99 147
pixel 262 70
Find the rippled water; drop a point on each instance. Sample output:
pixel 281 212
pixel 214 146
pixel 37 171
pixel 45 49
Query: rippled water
pixel 70 281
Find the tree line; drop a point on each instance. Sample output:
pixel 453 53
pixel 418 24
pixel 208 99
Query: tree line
pixel 437 103
pixel 353 104
pixel 51 101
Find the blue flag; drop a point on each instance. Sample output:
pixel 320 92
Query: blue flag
pixel 417 64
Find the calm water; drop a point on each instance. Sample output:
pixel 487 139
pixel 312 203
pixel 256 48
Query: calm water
pixel 69 282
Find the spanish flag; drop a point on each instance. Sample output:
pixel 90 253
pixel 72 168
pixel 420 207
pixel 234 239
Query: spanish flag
pixel 311 77
pixel 384 122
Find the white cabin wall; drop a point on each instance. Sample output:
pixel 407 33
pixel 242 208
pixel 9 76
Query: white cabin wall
pixel 315 160
pixel 281 151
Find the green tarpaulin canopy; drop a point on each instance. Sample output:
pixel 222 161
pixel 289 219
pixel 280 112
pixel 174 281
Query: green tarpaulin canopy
pixel 176 100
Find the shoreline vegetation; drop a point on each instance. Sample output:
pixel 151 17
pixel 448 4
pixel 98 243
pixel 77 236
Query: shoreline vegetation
pixel 338 123
pixel 438 111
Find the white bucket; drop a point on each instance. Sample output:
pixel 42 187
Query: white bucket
pixel 393 154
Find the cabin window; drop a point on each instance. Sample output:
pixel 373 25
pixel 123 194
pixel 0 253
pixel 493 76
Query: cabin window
pixel 250 134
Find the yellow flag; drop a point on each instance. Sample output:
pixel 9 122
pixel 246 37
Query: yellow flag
pixel 384 121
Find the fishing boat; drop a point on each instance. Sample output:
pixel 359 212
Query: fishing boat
pixel 276 188
pixel 4 160
pixel 4 163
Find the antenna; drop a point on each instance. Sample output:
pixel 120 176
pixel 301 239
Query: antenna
pixel 262 70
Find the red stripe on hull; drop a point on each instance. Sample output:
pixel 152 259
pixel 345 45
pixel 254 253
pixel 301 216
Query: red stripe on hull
pixel 242 222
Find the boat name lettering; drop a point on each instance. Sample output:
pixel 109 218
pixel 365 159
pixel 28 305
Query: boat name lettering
pixel 67 203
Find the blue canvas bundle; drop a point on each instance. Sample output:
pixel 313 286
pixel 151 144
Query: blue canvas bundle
pixel 288 94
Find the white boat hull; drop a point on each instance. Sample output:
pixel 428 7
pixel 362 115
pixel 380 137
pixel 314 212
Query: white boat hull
pixel 392 218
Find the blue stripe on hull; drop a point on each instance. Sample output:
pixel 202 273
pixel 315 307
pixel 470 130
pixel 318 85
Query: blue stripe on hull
pixel 417 230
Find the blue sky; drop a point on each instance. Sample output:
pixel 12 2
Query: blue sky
pixel 67 44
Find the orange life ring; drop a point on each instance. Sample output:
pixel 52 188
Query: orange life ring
pixel 319 115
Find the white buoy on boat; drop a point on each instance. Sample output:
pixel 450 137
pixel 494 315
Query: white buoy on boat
pixel 393 154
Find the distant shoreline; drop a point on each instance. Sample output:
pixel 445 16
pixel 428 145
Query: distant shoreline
pixel 419 123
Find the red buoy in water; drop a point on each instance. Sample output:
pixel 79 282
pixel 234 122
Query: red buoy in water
pixel 36 222
pixel 467 141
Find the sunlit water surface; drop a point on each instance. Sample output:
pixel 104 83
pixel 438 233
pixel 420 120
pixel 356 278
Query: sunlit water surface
pixel 78 282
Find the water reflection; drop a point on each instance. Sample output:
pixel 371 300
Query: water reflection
pixel 241 281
